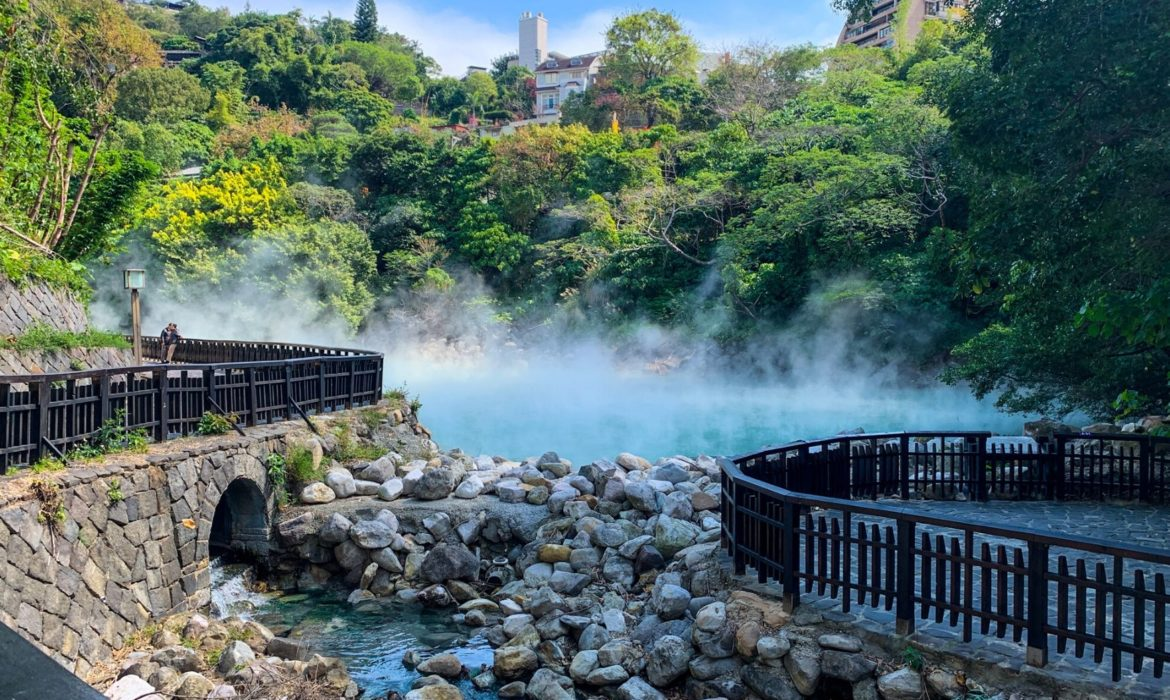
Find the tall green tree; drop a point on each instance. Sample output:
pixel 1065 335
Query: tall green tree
pixel 1064 117
pixel 365 22
pixel 644 51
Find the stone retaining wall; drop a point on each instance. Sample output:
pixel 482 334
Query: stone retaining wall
pixel 78 584
pixel 21 308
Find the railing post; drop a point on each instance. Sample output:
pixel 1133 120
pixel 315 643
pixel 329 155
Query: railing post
pixel 288 392
pixel 5 389
pixel 321 387
pixel 163 414
pixel 103 400
pixel 351 362
pixel 1146 468
pixel 209 389
pixel 904 466
pixel 40 421
pixel 1061 443
pixel 253 402
pixel 790 555
pixel 904 578
pixel 1037 651
pixel 981 470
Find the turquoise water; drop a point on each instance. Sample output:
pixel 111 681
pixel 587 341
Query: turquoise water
pixel 586 411
pixel 373 636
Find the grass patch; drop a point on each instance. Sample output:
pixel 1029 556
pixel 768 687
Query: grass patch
pixel 277 468
pixel 112 437
pixel 47 464
pixel 371 418
pixel 25 266
pixel 300 466
pixel 45 338
pixel 396 396
pixel 352 450
pixel 114 492
pixel 215 424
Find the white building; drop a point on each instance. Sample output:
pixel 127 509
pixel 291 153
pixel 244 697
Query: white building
pixel 557 75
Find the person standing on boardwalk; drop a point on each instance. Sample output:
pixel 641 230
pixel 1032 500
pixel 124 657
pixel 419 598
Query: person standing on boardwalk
pixel 170 340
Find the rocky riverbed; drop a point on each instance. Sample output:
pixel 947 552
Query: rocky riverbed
pixel 604 580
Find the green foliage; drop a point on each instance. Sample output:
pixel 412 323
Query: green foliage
pixel 913 658
pixel 114 492
pixel 276 467
pixel 161 95
pixel 299 466
pixel 113 436
pixel 42 337
pixel 23 266
pixel 365 22
pixel 350 449
pixel 216 424
pixel 47 464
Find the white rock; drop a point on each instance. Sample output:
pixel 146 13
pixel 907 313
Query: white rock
pixel 342 482
pixel 317 492
pixel 132 688
pixel 390 489
pixel 471 487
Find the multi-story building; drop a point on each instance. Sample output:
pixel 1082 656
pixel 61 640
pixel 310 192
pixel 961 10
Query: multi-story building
pixel 885 26
pixel 557 75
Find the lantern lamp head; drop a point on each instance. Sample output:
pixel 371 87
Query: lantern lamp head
pixel 134 279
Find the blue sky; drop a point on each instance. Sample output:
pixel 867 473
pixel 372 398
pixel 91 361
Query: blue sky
pixel 459 33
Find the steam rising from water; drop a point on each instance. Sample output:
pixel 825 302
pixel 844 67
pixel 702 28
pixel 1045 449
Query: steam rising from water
pixel 489 389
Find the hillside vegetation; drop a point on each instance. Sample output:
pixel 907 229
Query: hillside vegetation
pixel 990 202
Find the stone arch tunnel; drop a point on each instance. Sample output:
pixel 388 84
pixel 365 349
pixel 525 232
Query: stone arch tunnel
pixel 241 523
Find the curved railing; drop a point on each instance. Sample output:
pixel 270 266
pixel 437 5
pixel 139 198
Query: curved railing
pixel 258 382
pixel 788 512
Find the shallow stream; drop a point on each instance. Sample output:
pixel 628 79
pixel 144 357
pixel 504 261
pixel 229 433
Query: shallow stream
pixel 371 637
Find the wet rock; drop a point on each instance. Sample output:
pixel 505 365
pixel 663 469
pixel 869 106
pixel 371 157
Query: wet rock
pixel 903 684
pixel 514 689
pixel 769 682
pixel 847 666
pixel 436 596
pixel 317 493
pixel 434 484
pixel 284 648
pixel 341 481
pixel 667 660
pixel 388 560
pixel 349 555
pixel 513 662
pixel 449 561
pixel 445 665
pixel 295 531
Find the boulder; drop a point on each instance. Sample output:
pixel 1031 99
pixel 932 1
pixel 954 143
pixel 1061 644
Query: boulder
pixel 712 617
pixel 437 691
pixel 379 470
pixel 390 489
pixel 769 682
pixel 193 685
pixel 667 660
pixel 672 535
pixel 642 496
pixel 316 493
pixel 371 534
pixel 840 642
pixel 179 658
pixel 434 484
pixel 235 655
pixel 470 487
pixel 638 689
pixel 132 687
pixel 670 601
pixel 445 665
pixel 584 663
pixel 545 684
pixel 903 684
pixel 449 561
pixel 388 560
pixel 513 662
pixel 366 488
pixel 847 666
pixel 608 675
pixel 803 664
pixel 341 481
pixel 632 462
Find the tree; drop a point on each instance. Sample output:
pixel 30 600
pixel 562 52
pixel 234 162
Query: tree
pixel 645 46
pixel 390 73
pixel 1062 114
pixel 758 80
pixel 161 95
pixel 365 22
pixel 480 90
pixel 199 21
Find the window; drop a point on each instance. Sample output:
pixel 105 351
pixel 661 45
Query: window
pixel 548 79
pixel 884 32
pixel 549 103
pixel 575 62
pixel 551 64
pixel 577 75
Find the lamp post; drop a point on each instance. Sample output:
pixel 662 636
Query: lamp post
pixel 135 280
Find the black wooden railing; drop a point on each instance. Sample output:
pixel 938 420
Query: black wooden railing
pixel 787 512
pixel 260 383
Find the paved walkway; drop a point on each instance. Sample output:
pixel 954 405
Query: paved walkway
pixel 1136 525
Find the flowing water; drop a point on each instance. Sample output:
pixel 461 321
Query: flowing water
pixel 370 637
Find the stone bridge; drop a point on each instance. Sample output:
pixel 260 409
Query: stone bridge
pixel 128 540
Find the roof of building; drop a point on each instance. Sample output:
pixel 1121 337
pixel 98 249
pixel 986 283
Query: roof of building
pixel 565 63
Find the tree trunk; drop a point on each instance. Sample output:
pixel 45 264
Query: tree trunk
pixel 89 167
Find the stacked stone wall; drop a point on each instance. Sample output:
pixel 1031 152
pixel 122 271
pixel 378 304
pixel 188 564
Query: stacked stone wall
pixel 79 585
pixel 22 308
